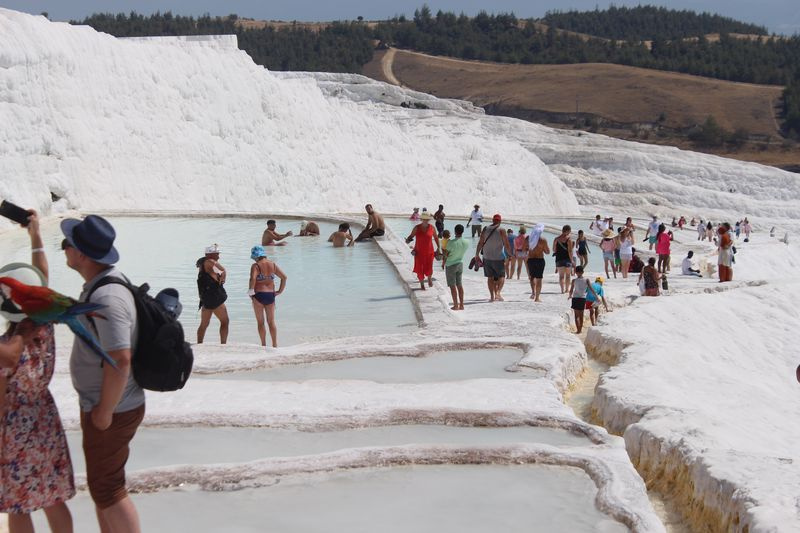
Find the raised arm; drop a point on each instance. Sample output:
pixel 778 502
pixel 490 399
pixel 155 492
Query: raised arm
pixel 38 257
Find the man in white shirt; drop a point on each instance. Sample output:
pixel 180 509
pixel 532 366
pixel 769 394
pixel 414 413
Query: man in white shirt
pixel 476 221
pixel 652 231
pixel 686 266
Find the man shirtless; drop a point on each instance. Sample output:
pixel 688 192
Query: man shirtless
pixel 271 237
pixel 375 226
pixel 536 262
pixel 338 238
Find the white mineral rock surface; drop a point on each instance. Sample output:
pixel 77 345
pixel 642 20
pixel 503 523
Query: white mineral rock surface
pixel 704 388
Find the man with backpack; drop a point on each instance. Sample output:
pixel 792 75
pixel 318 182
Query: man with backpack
pixel 111 401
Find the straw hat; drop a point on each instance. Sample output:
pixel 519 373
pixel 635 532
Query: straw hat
pixel 425 216
pixel 608 233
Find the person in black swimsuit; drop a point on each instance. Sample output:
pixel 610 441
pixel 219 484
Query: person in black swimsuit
pixel 210 281
pixel 562 248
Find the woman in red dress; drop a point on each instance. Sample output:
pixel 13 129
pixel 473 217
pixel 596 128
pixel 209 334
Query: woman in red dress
pixel 423 249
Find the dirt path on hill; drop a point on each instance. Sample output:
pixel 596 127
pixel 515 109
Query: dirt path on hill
pixel 386 67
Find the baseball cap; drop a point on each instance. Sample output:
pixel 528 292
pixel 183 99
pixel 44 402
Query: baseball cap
pixel 497 218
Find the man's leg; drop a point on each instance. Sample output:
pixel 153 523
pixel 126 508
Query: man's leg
pixel 205 320
pixel 221 313
pixel 490 284
pixel 119 518
pixel 454 295
pixel 460 296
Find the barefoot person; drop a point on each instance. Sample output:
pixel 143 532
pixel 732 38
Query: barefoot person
pixel 454 266
pixel 649 278
pixel 583 248
pixel 424 236
pixel 35 466
pixel 592 304
pixel 262 292
pixel 309 229
pixel 725 256
pixel 476 220
pixel 578 290
pixel 271 237
pixel 210 281
pixel 438 218
pixel 375 225
pixel 562 246
pixel 342 236
pixel 537 248
pixel 608 244
pixel 112 404
pixel 494 243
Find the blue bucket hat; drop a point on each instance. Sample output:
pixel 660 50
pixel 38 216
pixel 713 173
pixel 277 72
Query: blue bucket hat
pixel 256 252
pixel 93 237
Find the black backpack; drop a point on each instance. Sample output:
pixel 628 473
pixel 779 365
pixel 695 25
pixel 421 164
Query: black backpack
pixel 163 359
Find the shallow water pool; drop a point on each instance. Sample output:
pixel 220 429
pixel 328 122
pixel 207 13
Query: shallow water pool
pixel 331 292
pixel 441 499
pixel 157 447
pixel 437 366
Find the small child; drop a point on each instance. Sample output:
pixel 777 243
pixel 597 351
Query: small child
pixel 578 290
pixel 592 303
pixel 445 238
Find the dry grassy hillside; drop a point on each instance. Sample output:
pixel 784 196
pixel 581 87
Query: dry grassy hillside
pixel 625 102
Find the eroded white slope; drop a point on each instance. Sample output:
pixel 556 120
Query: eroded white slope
pixel 188 124
pixel 615 176
pixel 706 396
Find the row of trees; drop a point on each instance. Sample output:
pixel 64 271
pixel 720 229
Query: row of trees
pixel 505 38
pixel 791 107
pixel 338 47
pixel 347 46
pixel 646 23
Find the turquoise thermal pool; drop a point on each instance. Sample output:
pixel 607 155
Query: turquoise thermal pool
pixel 436 366
pixel 158 447
pixel 423 499
pixel 330 292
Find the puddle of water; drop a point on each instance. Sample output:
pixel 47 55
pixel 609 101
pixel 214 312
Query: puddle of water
pixel 330 293
pixel 422 499
pixel 437 366
pixel 198 445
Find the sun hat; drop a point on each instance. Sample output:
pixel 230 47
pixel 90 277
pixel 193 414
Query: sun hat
pixel 608 233
pixel 256 252
pixel 213 249
pixel 599 279
pixel 93 237
pixel 24 273
pixel 425 216
pixel 170 300
pixel 497 218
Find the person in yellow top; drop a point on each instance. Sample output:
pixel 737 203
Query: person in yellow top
pixel 445 238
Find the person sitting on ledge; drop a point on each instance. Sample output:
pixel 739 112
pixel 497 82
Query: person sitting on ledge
pixel 375 226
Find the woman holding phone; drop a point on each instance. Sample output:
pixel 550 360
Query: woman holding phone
pixel 35 466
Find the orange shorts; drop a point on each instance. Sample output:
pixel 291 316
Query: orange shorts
pixel 106 453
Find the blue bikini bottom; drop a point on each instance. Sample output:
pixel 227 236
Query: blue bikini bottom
pixel 265 298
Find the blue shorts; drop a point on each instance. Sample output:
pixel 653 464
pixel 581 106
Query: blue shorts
pixel 265 298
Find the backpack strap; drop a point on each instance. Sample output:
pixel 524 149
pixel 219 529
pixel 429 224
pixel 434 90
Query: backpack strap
pixel 107 280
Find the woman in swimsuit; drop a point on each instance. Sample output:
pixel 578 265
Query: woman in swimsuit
pixel 650 276
pixel 262 292
pixel 583 248
pixel 562 249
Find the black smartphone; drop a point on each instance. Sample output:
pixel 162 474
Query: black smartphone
pixel 14 212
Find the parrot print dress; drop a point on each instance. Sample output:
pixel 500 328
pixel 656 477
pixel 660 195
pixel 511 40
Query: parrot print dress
pixel 35 467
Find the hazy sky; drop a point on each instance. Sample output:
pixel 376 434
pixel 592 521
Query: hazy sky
pixel 779 16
